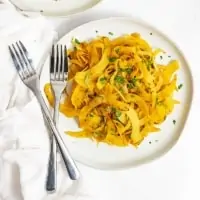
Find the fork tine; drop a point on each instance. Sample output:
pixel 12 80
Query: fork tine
pixel 56 62
pixel 25 68
pixel 14 58
pixel 62 63
pixel 59 61
pixel 65 60
pixel 52 60
pixel 21 64
pixel 25 57
pixel 16 61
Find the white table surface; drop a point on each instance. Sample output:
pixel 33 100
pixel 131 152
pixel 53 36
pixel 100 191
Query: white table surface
pixel 176 176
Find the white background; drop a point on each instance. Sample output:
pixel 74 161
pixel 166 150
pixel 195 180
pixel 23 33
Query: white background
pixel 176 176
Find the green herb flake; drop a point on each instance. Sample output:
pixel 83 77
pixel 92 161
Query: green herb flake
pixel 119 79
pixel 151 33
pixel 133 81
pixel 148 63
pixel 130 86
pixel 77 41
pixel 96 31
pixel 180 86
pixel 103 79
pixel 112 59
pixel 113 109
pixel 121 89
pixel 149 142
pixel 91 115
pixel 174 121
pixel 97 134
pixel 157 100
pixel 161 57
pixel 117 50
pixel 129 70
pixel 118 113
pixel 110 33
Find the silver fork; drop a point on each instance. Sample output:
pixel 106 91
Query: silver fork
pixel 30 78
pixel 58 74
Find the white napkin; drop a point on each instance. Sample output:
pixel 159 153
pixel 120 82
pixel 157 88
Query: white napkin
pixel 37 35
pixel 24 147
pixel 24 157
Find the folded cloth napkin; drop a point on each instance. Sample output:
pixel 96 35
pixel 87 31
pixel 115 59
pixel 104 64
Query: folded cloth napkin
pixel 24 151
pixel 24 147
pixel 37 35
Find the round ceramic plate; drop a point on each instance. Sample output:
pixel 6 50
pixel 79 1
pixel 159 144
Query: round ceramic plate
pixel 55 7
pixel 104 156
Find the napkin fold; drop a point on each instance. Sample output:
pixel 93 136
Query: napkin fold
pixel 24 147
pixel 37 35
pixel 24 159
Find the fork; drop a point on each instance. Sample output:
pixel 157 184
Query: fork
pixel 58 74
pixel 30 78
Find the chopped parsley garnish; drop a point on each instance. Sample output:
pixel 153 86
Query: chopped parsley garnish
pixel 103 79
pixel 119 79
pixel 91 115
pixel 112 59
pixel 133 81
pixel 96 31
pixel 121 89
pixel 180 86
pixel 174 121
pixel 161 57
pixel 113 109
pixel 149 142
pixel 148 64
pixel 130 86
pixel 110 33
pixel 128 70
pixel 75 48
pixel 117 50
pixel 169 56
pixel 151 33
pixel 157 100
pixel 77 41
pixel 118 113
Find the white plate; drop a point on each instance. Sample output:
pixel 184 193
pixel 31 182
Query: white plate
pixel 55 7
pixel 109 157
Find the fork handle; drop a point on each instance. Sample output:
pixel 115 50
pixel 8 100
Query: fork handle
pixel 72 169
pixel 51 181
pixel 52 165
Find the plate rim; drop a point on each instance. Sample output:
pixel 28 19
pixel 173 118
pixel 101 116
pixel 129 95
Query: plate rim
pixel 175 44
pixel 52 15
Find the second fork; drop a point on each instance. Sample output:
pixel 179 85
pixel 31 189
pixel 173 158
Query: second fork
pixel 58 75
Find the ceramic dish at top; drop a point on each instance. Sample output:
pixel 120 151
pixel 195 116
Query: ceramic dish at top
pixel 104 156
pixel 55 7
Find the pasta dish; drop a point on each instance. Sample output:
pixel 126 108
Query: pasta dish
pixel 119 93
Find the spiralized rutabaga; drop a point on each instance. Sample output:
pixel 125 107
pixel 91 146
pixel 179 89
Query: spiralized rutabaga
pixel 119 93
